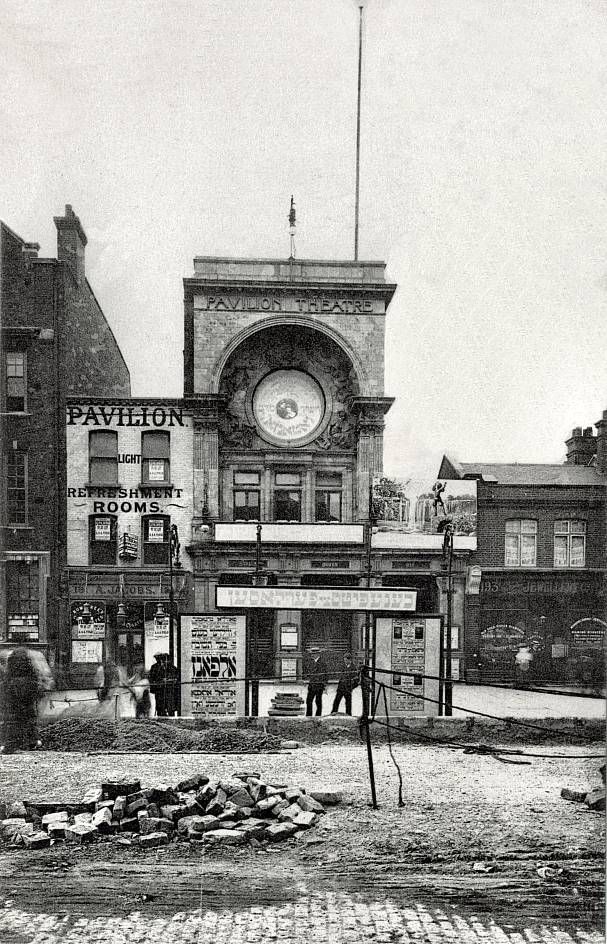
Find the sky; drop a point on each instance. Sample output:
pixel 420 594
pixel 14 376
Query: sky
pixel 182 128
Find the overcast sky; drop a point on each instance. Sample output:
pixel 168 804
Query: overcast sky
pixel 181 128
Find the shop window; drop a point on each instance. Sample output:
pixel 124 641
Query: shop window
pixel 23 599
pixel 16 488
pixel 287 496
pixel 521 543
pixel 156 458
pixel 327 496
pixel 247 501
pixel 570 543
pixel 103 458
pixel 156 539
pixel 16 381
pixel 103 540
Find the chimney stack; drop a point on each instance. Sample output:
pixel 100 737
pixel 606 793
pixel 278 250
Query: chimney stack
pixel 581 447
pixel 601 443
pixel 71 240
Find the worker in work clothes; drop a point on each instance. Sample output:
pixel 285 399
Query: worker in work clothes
pixel 316 682
pixel 348 680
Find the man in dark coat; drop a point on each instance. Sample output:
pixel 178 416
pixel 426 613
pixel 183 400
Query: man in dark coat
pixel 164 685
pixel 317 680
pixel 348 680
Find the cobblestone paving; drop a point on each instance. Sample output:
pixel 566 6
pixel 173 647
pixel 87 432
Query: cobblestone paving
pixel 331 918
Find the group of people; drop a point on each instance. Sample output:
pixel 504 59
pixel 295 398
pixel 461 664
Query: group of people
pixel 349 679
pixel 161 681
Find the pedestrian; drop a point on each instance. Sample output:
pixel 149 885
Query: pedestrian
pixel 164 685
pixel 20 692
pixel 317 681
pixel 348 681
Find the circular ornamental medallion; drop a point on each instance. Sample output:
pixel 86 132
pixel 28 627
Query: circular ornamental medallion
pixel 288 406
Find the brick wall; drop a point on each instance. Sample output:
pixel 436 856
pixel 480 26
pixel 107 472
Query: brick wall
pixel 497 504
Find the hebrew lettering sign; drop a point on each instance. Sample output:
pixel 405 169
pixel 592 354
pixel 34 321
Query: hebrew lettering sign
pixel 213 650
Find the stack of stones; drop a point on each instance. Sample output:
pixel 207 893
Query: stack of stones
pixel 287 704
pixel 243 808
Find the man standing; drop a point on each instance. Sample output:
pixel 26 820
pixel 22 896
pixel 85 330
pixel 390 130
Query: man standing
pixel 348 680
pixel 316 682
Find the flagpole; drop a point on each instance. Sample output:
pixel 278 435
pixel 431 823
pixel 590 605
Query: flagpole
pixel 360 61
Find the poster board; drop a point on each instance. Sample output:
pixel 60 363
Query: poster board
pixel 213 665
pixel 409 645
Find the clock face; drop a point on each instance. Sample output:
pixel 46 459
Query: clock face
pixel 288 406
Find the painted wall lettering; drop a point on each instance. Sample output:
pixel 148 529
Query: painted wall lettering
pixel 156 416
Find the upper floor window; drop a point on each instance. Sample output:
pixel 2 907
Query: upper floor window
pixel 103 539
pixel 103 457
pixel 521 543
pixel 156 457
pixel 287 496
pixel 156 539
pixel 570 543
pixel 16 487
pixel 247 496
pixel 327 497
pixel 16 385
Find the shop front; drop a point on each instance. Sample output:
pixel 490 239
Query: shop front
pixel 121 618
pixel 541 627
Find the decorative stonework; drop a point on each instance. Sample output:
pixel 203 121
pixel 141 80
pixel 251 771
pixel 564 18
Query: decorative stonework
pixel 301 351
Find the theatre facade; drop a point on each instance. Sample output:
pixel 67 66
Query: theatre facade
pixel 284 367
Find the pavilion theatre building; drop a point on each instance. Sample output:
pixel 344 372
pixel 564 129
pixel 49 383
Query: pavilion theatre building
pixel 128 509
pixel 284 363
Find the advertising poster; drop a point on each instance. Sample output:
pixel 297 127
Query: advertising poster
pixel 420 506
pixel 156 638
pixel 410 648
pixel 213 654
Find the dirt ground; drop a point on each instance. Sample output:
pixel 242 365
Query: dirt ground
pixel 458 810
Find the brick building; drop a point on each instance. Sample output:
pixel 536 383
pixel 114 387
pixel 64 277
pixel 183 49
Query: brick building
pixel 539 574
pixel 129 485
pixel 56 341
pixel 284 361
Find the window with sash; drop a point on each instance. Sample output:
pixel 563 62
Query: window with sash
pixel 16 381
pixel 103 539
pixel 156 539
pixel 521 543
pixel 287 496
pixel 103 457
pixel 247 496
pixel 570 543
pixel 16 487
pixel 327 496
pixel 156 458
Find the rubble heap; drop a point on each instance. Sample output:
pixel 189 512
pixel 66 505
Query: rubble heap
pixel 151 735
pixel 243 808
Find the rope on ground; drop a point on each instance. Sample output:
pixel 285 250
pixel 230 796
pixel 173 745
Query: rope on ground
pixel 394 761
pixel 484 714
pixel 480 749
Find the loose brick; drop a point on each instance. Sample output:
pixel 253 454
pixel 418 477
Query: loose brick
pixel 81 833
pixel 278 831
pixel 303 820
pixel 151 840
pixel 116 788
pixel 241 798
pixel 39 840
pixel 16 810
pixel 156 824
pixel 119 808
pixel 50 818
pixel 230 837
pixel 194 782
pixel 309 805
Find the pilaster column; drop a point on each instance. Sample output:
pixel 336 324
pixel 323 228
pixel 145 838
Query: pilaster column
pixel 206 455
pixel 369 448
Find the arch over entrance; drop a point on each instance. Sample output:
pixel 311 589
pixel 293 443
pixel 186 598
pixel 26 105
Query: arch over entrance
pixel 277 321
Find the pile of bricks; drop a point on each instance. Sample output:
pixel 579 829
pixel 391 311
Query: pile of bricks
pixel 243 808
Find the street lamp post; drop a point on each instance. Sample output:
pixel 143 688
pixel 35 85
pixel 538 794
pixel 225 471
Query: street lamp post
pixel 448 551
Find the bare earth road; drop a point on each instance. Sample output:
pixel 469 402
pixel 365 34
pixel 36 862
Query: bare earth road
pixel 391 875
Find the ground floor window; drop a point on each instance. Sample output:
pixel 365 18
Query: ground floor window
pixel 23 600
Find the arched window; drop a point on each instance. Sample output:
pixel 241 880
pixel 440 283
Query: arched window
pixel 103 539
